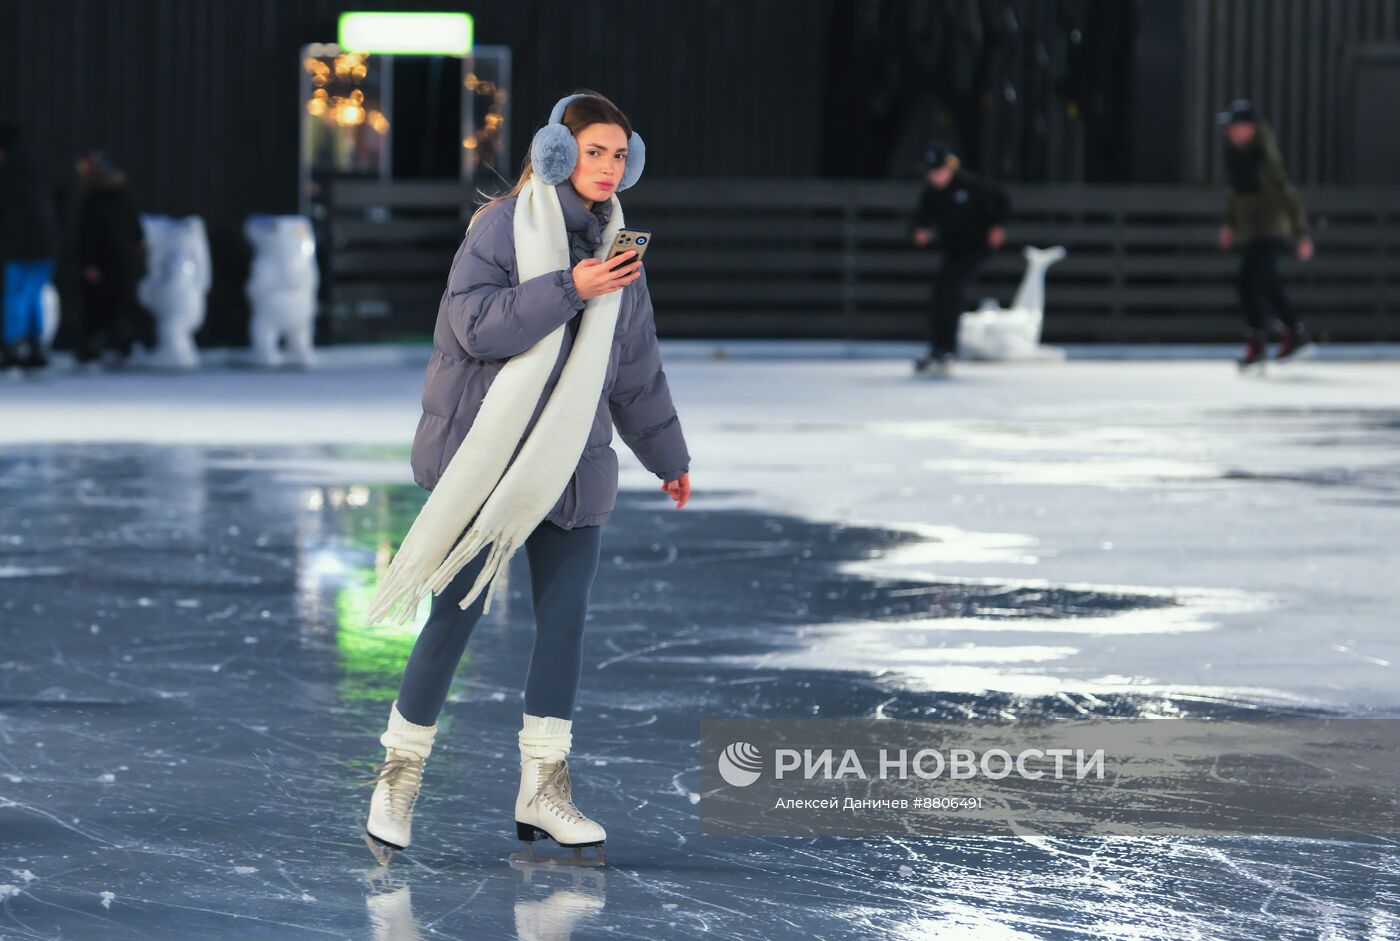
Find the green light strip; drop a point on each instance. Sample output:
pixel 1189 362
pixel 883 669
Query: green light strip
pixel 406 34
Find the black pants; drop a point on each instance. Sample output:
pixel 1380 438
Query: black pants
pixel 1259 286
pixel 563 564
pixel 950 298
pixel 108 321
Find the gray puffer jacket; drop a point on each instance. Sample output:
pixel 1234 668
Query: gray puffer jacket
pixel 486 316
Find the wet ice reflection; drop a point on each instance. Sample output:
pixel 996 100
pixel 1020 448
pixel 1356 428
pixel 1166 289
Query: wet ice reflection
pixel 189 702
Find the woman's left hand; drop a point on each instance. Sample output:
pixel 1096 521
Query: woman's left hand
pixel 679 490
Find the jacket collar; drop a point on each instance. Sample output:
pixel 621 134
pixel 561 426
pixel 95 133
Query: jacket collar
pixel 577 218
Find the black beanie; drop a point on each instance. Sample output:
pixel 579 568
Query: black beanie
pixel 936 154
pixel 1237 112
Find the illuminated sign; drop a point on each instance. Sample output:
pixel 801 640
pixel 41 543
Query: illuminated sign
pixel 406 34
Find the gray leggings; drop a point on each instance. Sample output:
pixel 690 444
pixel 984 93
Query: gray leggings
pixel 562 566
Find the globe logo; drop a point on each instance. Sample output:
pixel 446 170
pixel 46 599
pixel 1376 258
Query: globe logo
pixel 740 764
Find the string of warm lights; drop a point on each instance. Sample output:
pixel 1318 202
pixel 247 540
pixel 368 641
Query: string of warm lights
pixel 484 138
pixel 350 110
pixel 341 110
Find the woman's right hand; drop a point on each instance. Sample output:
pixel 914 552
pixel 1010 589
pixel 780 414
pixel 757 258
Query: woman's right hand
pixel 593 277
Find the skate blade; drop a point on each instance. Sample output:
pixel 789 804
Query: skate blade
pixel 528 834
pixel 383 852
pixel 1307 352
pixel 527 855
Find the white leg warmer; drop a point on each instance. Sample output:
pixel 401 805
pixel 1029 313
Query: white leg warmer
pixel 547 737
pixel 407 736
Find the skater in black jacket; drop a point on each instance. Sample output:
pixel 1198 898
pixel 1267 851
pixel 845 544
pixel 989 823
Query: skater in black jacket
pixel 969 213
pixel 111 259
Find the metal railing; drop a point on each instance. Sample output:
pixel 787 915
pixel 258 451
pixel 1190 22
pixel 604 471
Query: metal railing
pixel 819 258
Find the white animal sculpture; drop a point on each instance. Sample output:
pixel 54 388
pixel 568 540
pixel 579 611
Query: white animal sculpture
pixel 281 289
pixel 994 333
pixel 49 303
pixel 176 287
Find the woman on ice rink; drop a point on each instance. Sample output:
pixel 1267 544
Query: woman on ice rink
pixel 541 346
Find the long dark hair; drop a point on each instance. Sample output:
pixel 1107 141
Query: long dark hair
pixel 579 114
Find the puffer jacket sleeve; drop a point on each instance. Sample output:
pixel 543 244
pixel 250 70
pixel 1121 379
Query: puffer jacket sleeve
pixel 640 402
pixel 491 318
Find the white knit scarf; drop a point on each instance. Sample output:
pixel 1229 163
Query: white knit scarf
pixel 508 504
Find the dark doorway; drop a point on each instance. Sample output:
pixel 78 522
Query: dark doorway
pixel 427 117
pixel 1375 135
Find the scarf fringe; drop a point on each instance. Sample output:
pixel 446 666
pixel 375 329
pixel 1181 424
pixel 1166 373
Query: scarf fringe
pixel 399 594
pixel 405 585
pixel 502 548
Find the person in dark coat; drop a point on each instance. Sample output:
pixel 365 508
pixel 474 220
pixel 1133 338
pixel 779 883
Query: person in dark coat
pixel 1264 218
pixel 28 250
pixel 110 253
pixel 969 214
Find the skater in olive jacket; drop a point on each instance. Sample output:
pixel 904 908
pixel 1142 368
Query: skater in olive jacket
pixel 1263 218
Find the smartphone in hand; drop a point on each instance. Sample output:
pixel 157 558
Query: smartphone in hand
pixel 630 240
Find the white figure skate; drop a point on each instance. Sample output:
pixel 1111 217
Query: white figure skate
pixel 544 807
pixel 994 333
pixel 281 289
pixel 398 781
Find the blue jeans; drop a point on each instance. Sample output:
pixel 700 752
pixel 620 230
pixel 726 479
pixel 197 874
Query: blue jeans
pixel 562 566
pixel 24 288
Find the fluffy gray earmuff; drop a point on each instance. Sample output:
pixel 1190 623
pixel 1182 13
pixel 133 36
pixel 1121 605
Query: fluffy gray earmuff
pixel 554 152
pixel 636 160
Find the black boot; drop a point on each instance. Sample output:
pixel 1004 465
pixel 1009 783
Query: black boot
pixel 35 358
pixel 9 359
pixel 1295 340
pixel 1255 351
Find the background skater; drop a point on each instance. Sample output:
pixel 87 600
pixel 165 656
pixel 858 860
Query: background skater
pixel 28 251
pixel 1263 215
pixel 111 259
pixel 970 216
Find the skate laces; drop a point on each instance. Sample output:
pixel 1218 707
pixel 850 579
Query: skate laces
pixel 404 776
pixel 557 791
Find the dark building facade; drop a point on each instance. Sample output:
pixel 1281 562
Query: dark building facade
pixel 199 101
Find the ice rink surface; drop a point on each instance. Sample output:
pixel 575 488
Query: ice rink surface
pixel 189 701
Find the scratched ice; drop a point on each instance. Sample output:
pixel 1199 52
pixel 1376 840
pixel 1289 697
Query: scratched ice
pixel 189 697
